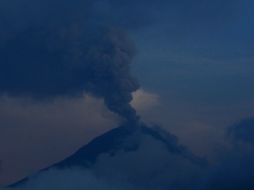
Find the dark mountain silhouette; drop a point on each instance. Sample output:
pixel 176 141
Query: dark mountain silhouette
pixel 125 138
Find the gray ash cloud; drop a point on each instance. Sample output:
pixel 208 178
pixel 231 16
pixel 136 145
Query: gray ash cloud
pixel 60 50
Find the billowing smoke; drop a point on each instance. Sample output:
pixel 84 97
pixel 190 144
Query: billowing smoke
pixel 60 49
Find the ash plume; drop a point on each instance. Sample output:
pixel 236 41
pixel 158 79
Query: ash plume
pixel 65 55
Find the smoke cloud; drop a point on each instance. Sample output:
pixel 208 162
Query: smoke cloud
pixel 64 51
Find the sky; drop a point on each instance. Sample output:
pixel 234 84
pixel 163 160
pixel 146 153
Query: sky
pixel 198 57
pixel 71 71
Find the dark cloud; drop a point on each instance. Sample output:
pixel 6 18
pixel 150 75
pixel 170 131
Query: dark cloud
pixel 65 52
pixel 63 48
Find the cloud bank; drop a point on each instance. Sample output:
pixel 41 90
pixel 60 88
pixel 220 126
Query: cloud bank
pixel 65 52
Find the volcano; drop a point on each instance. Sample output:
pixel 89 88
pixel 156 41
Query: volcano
pixel 126 139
